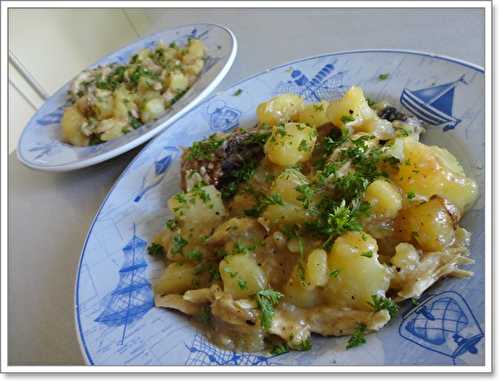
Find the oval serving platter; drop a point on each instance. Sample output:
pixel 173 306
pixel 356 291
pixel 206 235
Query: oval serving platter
pixel 40 146
pixel 117 323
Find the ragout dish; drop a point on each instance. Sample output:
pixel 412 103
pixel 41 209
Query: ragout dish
pixel 112 100
pixel 320 219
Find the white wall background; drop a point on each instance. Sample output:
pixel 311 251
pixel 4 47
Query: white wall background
pixel 54 45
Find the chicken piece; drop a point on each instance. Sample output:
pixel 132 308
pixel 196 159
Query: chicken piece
pixel 244 230
pixel 177 302
pixel 218 159
pixel 430 268
pixel 233 312
pixel 295 325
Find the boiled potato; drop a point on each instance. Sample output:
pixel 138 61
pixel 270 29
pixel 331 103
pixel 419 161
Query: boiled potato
pixel 314 114
pixel 71 122
pixel 123 103
pixel 200 207
pixel 299 292
pixel 429 224
pixel 290 144
pixel 351 109
pixel 280 109
pixel 111 128
pixel 286 185
pixel 426 173
pixel 177 278
pixel 152 109
pixel 178 82
pixel 317 268
pixel 241 275
pixel 195 68
pixel 358 273
pixel 384 198
pixel 285 214
pixel 195 51
pixel 103 106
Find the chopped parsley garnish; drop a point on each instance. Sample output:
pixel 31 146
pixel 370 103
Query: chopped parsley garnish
pixel 134 122
pixel 171 224
pixel 347 118
pixel 266 300
pixel 279 349
pixel 382 303
pixel 414 301
pixel 205 150
pixel 306 194
pixel 178 244
pixel 358 337
pixel 410 195
pixel 237 92
pixel 334 273
pixel 195 255
pixel 318 107
pixel 242 284
pixel 303 146
pixel 241 248
pixel 304 345
pixel 263 202
pixel 156 250
pixel 367 254
pixel 231 273
pixel 383 77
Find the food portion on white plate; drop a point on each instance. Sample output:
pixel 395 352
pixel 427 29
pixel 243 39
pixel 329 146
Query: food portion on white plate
pixel 320 219
pixel 111 100
pixel 127 97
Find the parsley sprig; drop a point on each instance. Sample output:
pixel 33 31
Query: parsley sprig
pixel 266 300
pixel 358 337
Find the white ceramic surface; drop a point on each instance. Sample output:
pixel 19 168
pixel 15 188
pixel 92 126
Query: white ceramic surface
pixel 116 321
pixel 40 146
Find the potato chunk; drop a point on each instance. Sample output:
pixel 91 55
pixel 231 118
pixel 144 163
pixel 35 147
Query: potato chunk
pixel 428 224
pixel 356 273
pixel 290 144
pixel 384 198
pixel 71 122
pixel 314 114
pixel 317 268
pixel 280 109
pixel 351 109
pixel 202 207
pixel 299 291
pixel 241 275
pixel 286 185
pixel 176 279
pixel 427 171
pixel 152 109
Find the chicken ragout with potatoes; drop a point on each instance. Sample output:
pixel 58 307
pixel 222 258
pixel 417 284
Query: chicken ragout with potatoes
pixel 320 219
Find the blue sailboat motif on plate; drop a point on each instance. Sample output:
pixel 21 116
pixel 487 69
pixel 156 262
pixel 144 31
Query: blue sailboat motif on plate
pixel 132 297
pixel 201 352
pixel 157 171
pixel 445 324
pixel 433 105
pixel 325 84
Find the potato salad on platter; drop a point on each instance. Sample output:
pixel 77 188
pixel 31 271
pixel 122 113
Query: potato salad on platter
pixel 318 220
pixel 112 100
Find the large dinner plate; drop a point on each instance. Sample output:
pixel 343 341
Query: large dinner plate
pixel 116 321
pixel 40 146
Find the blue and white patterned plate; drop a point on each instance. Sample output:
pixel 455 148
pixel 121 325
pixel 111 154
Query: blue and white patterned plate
pixel 116 321
pixel 40 145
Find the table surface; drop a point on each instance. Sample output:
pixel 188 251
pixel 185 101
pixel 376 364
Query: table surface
pixel 49 213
